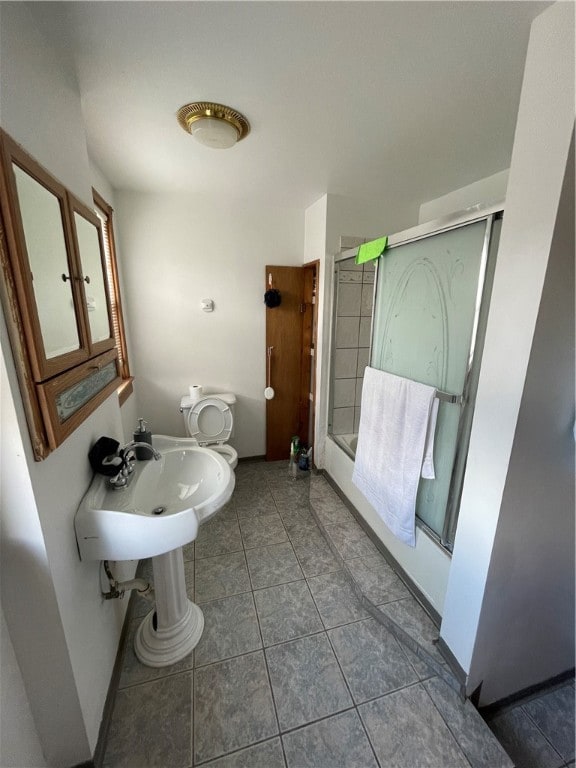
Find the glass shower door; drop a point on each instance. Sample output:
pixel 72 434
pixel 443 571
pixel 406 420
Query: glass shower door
pixel 425 320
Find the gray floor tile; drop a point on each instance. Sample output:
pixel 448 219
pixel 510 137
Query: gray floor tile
pixel 350 540
pixel 262 531
pixel 291 504
pixel 188 551
pixel 475 739
pixel 524 741
pixel 293 494
pixel 249 487
pixel 268 754
pixel 335 599
pixel 319 487
pixel 298 523
pixel 409 615
pixel 247 467
pixel 306 681
pixel 276 564
pixel 286 612
pixel 421 668
pixel 189 569
pixel 376 579
pixel 284 480
pixel 314 555
pixel 233 706
pixel 227 512
pixel 218 537
pixel 134 672
pixel 236 725
pixel 230 629
pixel 406 731
pixel 332 511
pixel 304 511
pixel 339 741
pixel 221 576
pixel 255 503
pixel 553 713
pixel 152 721
pixel 371 659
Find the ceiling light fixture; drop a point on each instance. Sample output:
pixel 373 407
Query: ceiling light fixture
pixel 214 125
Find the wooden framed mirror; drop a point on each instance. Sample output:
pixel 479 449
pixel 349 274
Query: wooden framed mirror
pixel 55 299
pixel 40 250
pixel 91 269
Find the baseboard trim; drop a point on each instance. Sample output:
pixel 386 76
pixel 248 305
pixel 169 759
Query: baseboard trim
pixel 532 691
pixel 452 662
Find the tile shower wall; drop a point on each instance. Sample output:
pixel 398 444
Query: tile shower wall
pixel 354 298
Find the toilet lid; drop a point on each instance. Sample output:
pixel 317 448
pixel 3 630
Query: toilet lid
pixel 210 420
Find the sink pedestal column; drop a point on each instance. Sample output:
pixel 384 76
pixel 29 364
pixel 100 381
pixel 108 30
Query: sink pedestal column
pixel 170 631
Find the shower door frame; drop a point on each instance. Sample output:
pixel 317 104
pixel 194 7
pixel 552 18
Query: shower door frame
pixel 488 213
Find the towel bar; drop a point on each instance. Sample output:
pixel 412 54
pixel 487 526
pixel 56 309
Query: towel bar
pixel 446 397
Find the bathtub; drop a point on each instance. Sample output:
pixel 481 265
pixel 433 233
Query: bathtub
pixel 347 442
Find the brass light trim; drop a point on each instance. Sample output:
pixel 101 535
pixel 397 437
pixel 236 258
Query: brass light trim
pixel 190 113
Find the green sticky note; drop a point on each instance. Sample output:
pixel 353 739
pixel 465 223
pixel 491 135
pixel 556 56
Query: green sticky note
pixel 371 250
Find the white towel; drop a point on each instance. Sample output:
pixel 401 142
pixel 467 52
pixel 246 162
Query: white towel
pixel 428 472
pixel 394 421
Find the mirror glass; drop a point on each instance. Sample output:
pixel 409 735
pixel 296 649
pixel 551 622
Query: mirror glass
pixel 73 398
pixel 92 270
pixel 46 247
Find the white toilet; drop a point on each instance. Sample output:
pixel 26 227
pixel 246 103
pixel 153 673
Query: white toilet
pixel 210 421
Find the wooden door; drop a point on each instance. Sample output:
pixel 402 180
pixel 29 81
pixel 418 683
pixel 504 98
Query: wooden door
pixel 285 416
pixel 309 337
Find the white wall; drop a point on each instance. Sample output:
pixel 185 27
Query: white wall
pixel 64 635
pixel 19 745
pixel 491 189
pixel 526 628
pixel 176 250
pixel 543 133
pixel 366 218
pixel 29 600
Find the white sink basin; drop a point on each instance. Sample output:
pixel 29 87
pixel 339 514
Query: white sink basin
pixel 162 507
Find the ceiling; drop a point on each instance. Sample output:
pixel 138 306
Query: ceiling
pixel 354 98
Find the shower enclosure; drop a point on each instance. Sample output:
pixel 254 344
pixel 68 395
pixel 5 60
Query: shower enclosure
pixel 418 312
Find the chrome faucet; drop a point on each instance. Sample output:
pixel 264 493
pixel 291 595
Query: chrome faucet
pixel 134 444
pixel 128 457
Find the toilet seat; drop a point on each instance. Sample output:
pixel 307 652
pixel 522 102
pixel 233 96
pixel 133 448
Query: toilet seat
pixel 210 421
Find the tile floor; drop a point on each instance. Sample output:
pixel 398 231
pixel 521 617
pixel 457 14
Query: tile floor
pixel 538 732
pixel 293 669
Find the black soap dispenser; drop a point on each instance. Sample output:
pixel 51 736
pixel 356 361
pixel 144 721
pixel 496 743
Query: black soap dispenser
pixel 142 435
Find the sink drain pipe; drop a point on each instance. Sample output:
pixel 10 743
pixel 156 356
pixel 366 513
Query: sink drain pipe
pixel 118 588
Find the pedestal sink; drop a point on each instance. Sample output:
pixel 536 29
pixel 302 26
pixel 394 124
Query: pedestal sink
pixel 155 516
